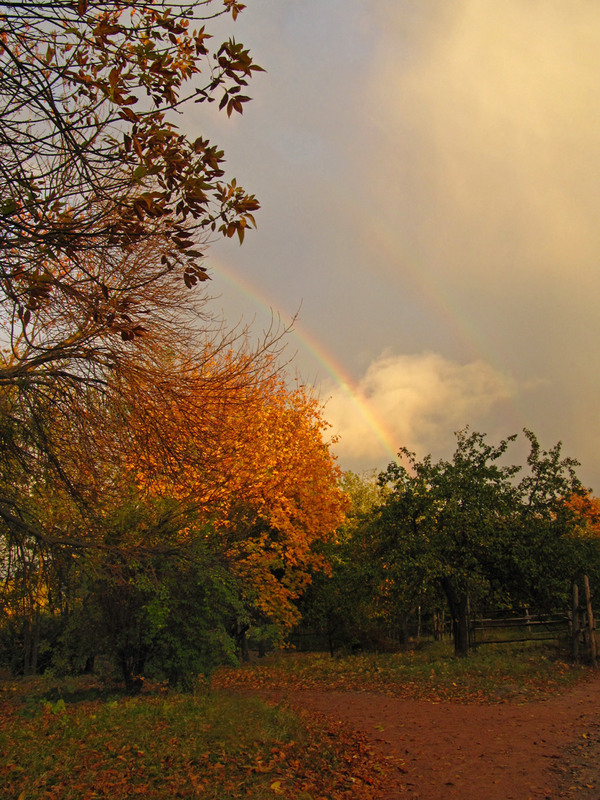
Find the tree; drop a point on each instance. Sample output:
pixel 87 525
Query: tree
pixel 113 377
pixel 163 612
pixel 342 601
pixel 103 202
pixel 251 457
pixel 588 508
pixel 238 457
pixel 468 526
pixel 84 177
pixel 68 451
pixel 544 550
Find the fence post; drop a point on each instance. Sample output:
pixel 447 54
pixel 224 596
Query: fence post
pixel 591 634
pixel 528 618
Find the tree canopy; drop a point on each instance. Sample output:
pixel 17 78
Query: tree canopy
pixel 103 206
pixel 152 458
pixel 93 166
pixel 470 527
pixel 470 535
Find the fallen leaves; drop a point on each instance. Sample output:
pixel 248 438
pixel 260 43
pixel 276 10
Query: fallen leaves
pixel 480 679
pixel 177 746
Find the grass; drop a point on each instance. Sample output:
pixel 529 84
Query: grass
pixel 492 673
pixel 76 742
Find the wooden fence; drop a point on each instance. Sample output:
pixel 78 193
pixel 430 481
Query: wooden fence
pixel 526 628
pixel 578 625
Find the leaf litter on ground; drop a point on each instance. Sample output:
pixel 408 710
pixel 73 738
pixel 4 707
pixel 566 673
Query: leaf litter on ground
pixel 163 745
pixel 490 675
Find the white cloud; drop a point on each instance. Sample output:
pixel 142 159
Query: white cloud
pixel 414 401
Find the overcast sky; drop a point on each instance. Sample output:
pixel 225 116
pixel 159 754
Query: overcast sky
pixel 429 173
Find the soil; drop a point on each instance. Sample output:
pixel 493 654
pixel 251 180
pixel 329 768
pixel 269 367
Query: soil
pixel 508 751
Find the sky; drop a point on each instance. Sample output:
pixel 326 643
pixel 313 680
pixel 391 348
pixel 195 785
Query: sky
pixel 429 175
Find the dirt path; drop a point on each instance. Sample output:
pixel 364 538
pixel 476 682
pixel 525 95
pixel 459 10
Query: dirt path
pixel 546 749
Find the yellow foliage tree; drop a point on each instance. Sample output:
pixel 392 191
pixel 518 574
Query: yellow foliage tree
pixel 250 456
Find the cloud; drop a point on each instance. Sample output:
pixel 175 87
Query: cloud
pixel 491 115
pixel 414 401
pixel 438 192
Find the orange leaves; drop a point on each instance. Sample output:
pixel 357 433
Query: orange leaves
pixel 234 7
pixel 588 508
pixel 169 746
pixel 249 455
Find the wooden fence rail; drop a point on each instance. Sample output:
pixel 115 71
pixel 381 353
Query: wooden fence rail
pixel 537 628
pixel 578 624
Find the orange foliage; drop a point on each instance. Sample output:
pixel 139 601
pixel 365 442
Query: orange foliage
pixel 248 455
pixel 588 507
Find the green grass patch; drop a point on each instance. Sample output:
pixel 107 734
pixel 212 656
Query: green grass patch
pixel 493 673
pixel 164 745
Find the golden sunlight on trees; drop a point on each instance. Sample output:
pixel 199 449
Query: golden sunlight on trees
pixel 189 468
pixel 588 508
pixel 103 203
pixel 249 456
pixel 152 460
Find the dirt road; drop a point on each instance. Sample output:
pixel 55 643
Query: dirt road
pixel 509 751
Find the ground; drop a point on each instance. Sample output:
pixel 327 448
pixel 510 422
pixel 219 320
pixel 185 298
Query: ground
pixel 504 751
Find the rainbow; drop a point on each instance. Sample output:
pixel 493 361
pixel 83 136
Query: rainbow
pixel 333 369
pixel 385 241
pixel 477 346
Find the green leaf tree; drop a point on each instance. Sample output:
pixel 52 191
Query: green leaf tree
pixel 341 603
pixel 467 526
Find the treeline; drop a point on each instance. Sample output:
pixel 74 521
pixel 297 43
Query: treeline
pixel 259 542
pixel 158 530
pixel 429 545
pixel 166 499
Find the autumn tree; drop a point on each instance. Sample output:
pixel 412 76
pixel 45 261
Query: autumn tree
pixel 252 458
pixel 112 377
pixel 240 459
pixel 93 162
pixel 103 203
pixel 587 506
pixel 247 457
pixel 69 450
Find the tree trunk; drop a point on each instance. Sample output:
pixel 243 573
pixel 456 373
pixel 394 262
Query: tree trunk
pixel 331 645
pixel 403 629
pixel 458 603
pixel 242 641
pixel 590 629
pixel 31 644
pixel 575 623
pixel 132 661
